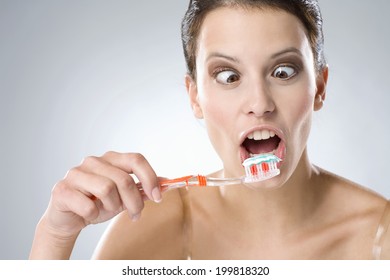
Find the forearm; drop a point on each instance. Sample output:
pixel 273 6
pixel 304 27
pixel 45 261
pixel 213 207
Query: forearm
pixel 50 245
pixel 93 192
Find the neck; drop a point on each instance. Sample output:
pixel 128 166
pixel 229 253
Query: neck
pixel 284 208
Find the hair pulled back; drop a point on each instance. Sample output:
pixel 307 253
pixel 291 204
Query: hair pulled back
pixel 307 11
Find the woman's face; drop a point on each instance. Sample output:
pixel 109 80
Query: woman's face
pixel 255 79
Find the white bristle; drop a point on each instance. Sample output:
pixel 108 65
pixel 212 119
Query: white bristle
pixel 254 171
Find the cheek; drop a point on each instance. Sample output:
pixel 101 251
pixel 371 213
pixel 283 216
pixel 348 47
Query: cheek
pixel 220 118
pixel 304 108
pixel 217 106
pixel 301 99
pixel 217 112
pixel 300 116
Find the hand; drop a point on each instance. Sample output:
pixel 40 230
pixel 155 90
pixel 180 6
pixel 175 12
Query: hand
pixel 99 189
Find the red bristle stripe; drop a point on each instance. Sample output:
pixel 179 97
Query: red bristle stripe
pixel 264 167
pixel 254 170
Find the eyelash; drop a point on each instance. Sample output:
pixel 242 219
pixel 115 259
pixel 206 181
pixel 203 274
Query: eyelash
pixel 279 67
pixel 221 70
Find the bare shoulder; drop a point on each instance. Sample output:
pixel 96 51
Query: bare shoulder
pixel 382 238
pixel 355 213
pixel 353 196
pixel 158 234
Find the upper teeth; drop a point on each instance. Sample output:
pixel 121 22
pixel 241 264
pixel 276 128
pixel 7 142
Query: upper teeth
pixel 261 134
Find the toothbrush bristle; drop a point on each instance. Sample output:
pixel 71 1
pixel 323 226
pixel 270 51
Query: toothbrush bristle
pixel 261 167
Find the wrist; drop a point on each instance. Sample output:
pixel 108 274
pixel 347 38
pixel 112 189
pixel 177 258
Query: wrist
pixel 50 243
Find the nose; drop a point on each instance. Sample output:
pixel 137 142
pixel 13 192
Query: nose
pixel 260 101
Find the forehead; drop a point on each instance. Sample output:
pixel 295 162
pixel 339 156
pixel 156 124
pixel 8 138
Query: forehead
pixel 251 32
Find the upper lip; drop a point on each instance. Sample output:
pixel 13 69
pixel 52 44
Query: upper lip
pixel 277 131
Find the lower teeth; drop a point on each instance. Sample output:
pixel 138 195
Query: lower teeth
pixel 255 155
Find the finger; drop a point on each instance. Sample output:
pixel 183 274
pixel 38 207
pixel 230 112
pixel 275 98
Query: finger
pixel 128 190
pixel 74 201
pixel 97 186
pixel 137 164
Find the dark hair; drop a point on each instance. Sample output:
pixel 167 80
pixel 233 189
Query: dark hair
pixel 307 11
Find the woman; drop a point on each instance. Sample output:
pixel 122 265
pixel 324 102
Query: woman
pixel 254 67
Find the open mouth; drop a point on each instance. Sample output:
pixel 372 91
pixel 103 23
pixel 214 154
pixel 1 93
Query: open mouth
pixel 263 141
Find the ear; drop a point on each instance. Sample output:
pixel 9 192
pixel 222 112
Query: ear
pixel 192 91
pixel 322 80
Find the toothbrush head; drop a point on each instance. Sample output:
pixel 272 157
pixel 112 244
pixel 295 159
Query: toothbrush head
pixel 261 167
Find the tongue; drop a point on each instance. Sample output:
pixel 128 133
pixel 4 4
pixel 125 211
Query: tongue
pixel 257 147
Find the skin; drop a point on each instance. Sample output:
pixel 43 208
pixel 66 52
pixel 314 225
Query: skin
pixel 304 213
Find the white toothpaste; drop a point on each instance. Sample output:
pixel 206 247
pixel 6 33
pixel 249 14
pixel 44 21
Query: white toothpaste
pixel 261 167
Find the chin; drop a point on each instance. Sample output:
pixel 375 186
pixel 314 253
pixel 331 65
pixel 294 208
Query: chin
pixel 269 184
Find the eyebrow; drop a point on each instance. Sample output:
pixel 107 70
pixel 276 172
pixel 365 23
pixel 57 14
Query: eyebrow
pixel 285 51
pixel 236 60
pixel 221 55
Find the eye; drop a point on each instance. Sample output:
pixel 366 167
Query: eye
pixel 226 77
pixel 284 72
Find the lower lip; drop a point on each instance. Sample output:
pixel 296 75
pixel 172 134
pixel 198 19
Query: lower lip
pixel 280 152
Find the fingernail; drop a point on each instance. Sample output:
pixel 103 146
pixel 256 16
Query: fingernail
pixel 136 217
pixel 156 195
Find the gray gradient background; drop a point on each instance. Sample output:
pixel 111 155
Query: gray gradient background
pixel 79 78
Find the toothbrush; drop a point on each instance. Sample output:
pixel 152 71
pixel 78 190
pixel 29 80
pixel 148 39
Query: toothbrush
pixel 257 168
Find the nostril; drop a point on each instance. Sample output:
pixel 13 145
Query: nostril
pixel 260 99
pixel 258 113
pixel 262 106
